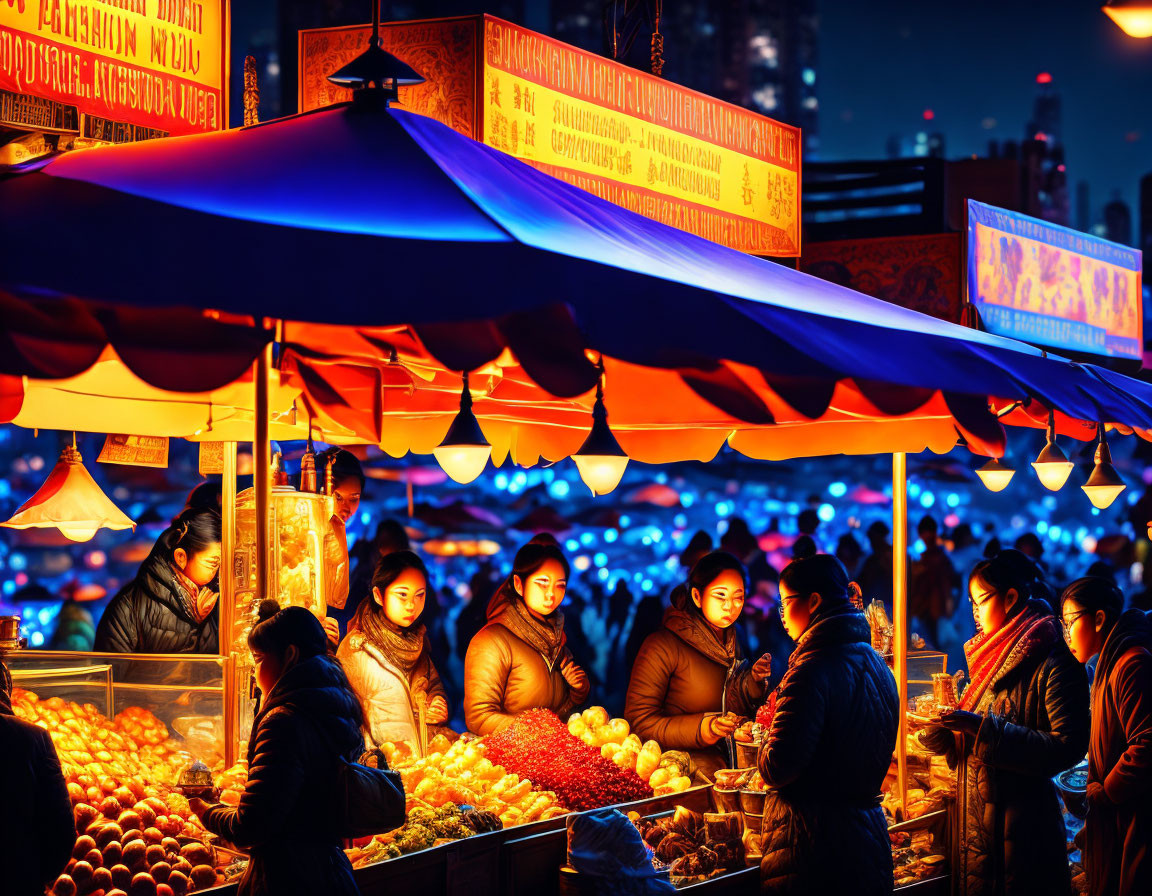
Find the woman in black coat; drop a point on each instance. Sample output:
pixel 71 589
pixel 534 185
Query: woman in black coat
pixel 170 607
pixel 309 719
pixel 829 744
pixel 1022 719
pixel 1118 830
pixel 36 827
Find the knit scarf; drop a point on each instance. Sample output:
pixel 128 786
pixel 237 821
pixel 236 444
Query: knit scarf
pixel 186 590
pixel 402 647
pixel 546 636
pixel 991 656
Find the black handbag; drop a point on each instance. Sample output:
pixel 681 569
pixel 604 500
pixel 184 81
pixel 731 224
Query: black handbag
pixel 368 796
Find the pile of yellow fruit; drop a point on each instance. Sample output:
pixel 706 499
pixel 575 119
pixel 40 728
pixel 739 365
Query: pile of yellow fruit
pixel 616 741
pixel 460 773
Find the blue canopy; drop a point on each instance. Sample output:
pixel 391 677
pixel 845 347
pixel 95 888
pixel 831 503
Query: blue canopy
pixel 357 214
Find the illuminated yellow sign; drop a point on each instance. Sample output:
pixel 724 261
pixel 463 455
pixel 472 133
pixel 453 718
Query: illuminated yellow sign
pixel 641 142
pixel 159 64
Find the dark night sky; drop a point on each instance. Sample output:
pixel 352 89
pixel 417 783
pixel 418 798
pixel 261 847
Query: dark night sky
pixel 883 62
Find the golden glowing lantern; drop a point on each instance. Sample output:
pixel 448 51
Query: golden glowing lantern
pixel 995 475
pixel 600 460
pixel 1104 485
pixel 71 501
pixel 464 451
pixel 1133 16
pixel 1052 465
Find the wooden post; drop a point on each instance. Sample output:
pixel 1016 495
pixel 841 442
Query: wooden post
pixel 900 614
pixel 228 602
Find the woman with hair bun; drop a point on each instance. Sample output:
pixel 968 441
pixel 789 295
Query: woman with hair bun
pixel 520 660
pixel 1022 719
pixel 690 681
pixel 387 655
pixel 170 607
pixel 1118 830
pixel 309 720
pixel 829 743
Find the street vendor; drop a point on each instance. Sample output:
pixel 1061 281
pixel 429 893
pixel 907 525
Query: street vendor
pixel 689 683
pixel 520 660
pixel 170 607
pixel 347 489
pixel 387 655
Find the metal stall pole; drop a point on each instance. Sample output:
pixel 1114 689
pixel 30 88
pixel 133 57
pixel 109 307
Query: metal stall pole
pixel 262 471
pixel 228 602
pixel 900 614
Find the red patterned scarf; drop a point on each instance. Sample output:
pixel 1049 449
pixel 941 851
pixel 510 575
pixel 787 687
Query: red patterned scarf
pixel 990 657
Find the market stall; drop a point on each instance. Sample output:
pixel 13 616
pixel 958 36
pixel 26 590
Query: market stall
pixel 770 361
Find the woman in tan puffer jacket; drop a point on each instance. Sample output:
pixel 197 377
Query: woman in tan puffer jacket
pixel 690 680
pixel 520 659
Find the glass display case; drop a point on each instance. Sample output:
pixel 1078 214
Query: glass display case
pixel 101 708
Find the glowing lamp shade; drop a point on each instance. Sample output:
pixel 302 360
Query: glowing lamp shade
pixel 600 460
pixel 464 452
pixel 1134 17
pixel 71 501
pixel 1105 484
pixel 995 475
pixel 1052 467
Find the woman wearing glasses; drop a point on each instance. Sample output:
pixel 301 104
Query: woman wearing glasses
pixel 1118 829
pixel 829 745
pixel 690 683
pixel 1021 720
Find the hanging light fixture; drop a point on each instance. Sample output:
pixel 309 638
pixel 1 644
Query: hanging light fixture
pixel 600 460
pixel 1052 465
pixel 1134 17
pixel 1105 484
pixel 464 451
pixel 71 501
pixel 995 475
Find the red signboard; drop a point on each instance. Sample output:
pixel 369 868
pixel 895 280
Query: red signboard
pixel 154 64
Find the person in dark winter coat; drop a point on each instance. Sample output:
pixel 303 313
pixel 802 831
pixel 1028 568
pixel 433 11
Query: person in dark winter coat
pixel 310 717
pixel 690 681
pixel 170 607
pixel 36 827
pixel 829 744
pixel 1118 830
pixel 1022 719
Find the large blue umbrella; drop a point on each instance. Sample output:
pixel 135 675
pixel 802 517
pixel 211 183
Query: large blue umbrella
pixel 367 215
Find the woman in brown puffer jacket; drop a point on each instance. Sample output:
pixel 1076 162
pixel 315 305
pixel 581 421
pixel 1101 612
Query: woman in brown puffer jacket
pixel 520 659
pixel 689 681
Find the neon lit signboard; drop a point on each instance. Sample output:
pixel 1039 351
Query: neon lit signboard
pixel 1052 286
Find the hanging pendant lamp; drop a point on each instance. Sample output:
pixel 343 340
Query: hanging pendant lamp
pixel 464 451
pixel 1052 465
pixel 1134 17
pixel 71 501
pixel 995 475
pixel 1104 485
pixel 600 460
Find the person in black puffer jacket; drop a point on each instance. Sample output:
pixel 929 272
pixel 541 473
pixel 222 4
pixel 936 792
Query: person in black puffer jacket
pixel 829 745
pixel 309 719
pixel 170 607
pixel 1022 719
pixel 36 827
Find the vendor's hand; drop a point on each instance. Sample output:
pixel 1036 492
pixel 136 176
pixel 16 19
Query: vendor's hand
pixel 962 721
pixel 199 807
pixel 937 739
pixel 437 712
pixel 715 728
pixel 205 601
pixel 762 668
pixel 331 629
pixel 577 680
